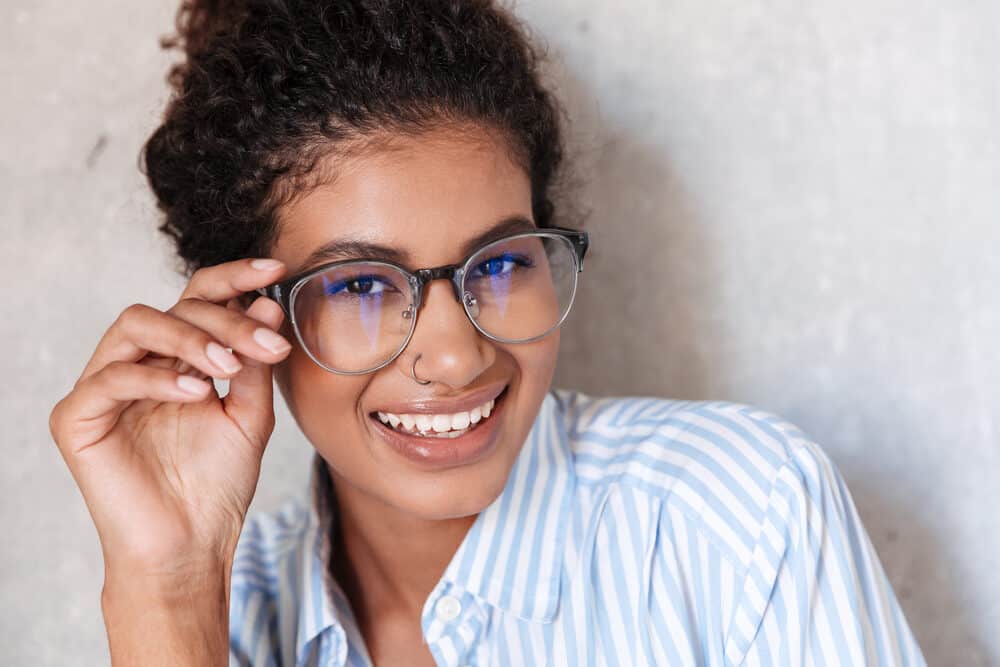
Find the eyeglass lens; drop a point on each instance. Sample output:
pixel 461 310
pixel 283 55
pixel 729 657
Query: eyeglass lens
pixel 356 316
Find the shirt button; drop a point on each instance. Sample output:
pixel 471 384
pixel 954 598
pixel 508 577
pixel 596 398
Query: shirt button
pixel 448 608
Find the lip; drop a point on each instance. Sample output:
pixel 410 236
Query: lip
pixel 432 453
pixel 444 406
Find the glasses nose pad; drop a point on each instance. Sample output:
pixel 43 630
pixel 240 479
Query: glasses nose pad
pixel 408 313
pixel 471 304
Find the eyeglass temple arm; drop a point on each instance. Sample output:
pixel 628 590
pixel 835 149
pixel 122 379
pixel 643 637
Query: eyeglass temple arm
pixel 581 241
pixel 275 293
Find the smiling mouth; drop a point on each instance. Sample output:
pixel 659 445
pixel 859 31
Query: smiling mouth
pixel 442 425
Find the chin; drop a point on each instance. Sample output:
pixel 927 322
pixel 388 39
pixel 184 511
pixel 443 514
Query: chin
pixel 450 483
pixel 462 498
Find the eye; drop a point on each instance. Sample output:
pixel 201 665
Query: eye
pixel 500 265
pixel 359 286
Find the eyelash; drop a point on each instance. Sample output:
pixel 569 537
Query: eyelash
pixel 516 259
pixel 341 285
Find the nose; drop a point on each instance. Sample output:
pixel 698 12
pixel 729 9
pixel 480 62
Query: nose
pixel 452 351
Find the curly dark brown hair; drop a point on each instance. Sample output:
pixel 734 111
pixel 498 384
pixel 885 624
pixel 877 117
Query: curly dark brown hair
pixel 269 87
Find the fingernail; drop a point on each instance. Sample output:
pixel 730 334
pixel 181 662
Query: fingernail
pixel 270 340
pixel 222 358
pixel 191 385
pixel 265 264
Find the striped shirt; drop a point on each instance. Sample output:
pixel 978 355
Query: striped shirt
pixel 631 531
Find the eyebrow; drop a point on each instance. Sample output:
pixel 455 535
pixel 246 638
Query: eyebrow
pixel 344 249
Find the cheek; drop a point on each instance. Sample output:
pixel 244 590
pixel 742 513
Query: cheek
pixel 536 361
pixel 324 404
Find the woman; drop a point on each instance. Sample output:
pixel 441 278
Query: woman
pixel 379 175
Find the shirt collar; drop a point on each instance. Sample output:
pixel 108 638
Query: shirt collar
pixel 318 593
pixel 512 556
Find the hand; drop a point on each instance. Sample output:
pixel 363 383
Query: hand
pixel 167 467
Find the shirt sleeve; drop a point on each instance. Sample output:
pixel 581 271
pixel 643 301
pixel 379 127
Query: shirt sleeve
pixel 815 591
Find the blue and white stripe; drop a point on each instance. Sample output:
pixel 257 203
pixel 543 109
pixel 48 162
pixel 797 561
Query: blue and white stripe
pixel 632 531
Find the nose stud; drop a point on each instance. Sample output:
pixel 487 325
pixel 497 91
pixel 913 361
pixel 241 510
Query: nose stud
pixel 413 371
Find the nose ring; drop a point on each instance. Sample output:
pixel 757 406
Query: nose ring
pixel 413 371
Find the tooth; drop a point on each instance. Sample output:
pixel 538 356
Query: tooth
pixel 475 415
pixel 393 419
pixel 488 408
pixel 408 421
pixel 460 420
pixel 424 422
pixel 442 423
pixel 383 417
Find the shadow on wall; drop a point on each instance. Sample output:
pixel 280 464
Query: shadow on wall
pixel 646 324
pixel 639 320
pixel 919 569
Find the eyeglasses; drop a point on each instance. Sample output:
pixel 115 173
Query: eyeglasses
pixel 355 316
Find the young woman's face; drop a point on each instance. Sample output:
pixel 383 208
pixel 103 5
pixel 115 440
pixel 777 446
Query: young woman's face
pixel 426 197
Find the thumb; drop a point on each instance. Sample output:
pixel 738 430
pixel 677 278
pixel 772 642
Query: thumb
pixel 250 401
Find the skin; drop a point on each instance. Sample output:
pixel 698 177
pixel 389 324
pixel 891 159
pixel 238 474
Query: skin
pixel 168 475
pixel 401 524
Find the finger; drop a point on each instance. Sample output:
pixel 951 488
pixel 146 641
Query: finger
pixel 234 329
pixel 92 408
pixel 174 364
pixel 250 401
pixel 232 279
pixel 142 329
pixel 182 366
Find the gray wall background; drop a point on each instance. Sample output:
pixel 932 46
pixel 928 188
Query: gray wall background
pixel 793 204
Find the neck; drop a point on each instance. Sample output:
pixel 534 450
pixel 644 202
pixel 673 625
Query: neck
pixel 386 560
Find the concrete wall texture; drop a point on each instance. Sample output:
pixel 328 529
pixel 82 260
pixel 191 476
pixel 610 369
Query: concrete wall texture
pixel 793 204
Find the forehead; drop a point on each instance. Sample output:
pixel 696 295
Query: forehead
pixel 425 195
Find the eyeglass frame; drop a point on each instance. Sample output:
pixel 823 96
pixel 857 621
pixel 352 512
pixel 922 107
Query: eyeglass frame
pixel 284 291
